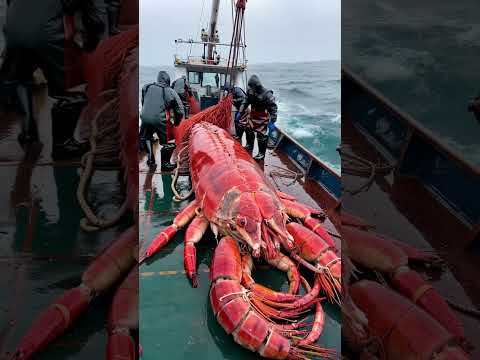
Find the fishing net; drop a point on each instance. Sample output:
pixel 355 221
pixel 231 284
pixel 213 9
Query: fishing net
pixel 194 106
pixel 219 115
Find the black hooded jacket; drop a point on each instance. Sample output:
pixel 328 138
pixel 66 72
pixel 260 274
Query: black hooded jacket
pixel 259 98
pixel 239 97
pixel 157 99
pixel 182 88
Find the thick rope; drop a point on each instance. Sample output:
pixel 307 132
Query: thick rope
pixel 92 222
pixel 356 165
pixel 177 197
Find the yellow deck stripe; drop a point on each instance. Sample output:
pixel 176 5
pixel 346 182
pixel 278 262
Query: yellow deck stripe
pixel 168 273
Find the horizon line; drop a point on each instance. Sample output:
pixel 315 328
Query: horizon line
pixel 257 63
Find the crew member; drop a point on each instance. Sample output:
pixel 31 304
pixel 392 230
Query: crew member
pixel 474 107
pixel 182 88
pixel 35 38
pixel 113 11
pixel 204 37
pixel 263 111
pixel 158 99
pixel 241 120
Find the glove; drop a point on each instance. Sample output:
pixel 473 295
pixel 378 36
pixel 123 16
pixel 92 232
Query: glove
pixel 238 116
pixel 271 126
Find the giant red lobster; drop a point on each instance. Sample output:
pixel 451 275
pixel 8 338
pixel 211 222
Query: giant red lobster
pixel 234 198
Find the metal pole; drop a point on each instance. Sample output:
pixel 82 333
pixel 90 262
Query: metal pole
pixel 213 27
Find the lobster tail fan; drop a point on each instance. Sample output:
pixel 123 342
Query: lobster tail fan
pixel 219 115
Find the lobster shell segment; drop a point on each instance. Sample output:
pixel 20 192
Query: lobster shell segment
pixel 276 347
pixel 411 284
pixel 252 333
pixel 372 251
pixel 222 292
pixel 400 323
pixel 310 245
pixel 226 262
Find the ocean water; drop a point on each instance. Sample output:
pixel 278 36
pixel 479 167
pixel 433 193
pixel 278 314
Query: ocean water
pixel 424 56
pixel 308 99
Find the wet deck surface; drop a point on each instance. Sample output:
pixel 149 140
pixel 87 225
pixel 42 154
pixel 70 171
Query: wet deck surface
pixel 176 321
pixel 403 209
pixel 43 251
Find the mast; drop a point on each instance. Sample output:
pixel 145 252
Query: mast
pixel 213 27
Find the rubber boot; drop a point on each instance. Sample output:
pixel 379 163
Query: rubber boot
pixel 262 146
pixel 151 156
pixel 250 136
pixel 239 130
pixel 29 132
pixel 142 146
pixel 166 154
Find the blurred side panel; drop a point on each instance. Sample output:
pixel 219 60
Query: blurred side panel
pixel 68 158
pixel 411 179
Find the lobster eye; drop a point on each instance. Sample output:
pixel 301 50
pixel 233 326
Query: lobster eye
pixel 241 221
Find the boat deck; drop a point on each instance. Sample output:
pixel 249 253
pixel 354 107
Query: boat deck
pixel 43 251
pixel 176 321
pixel 402 208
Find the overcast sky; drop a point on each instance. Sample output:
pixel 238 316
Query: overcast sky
pixel 277 30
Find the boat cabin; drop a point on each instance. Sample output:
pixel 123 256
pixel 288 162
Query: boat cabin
pixel 207 76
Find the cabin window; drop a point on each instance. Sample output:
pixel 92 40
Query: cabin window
pixel 212 79
pixel 194 77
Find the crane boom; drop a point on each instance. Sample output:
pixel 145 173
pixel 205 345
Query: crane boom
pixel 213 27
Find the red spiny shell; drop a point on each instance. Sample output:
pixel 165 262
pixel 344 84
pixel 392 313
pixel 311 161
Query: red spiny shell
pixel 277 347
pixel 252 333
pixel 226 262
pixel 399 322
pixel 232 314
pixel 310 244
pixel 54 320
pixel 409 283
pixel 124 308
pixel 219 163
pixel 372 251
pixel 220 291
pixel 113 263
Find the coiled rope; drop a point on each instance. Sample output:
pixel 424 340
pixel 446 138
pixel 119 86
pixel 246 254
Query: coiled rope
pixel 106 150
pixel 355 165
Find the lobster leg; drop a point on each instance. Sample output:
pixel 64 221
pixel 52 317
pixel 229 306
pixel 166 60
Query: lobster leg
pixel 285 196
pixel 182 219
pixel 194 234
pixel 123 317
pixel 304 213
pixel 313 248
pixel 412 285
pixel 317 328
pixel 283 263
pixel 260 291
pixel 100 275
pixel 240 317
pixel 379 253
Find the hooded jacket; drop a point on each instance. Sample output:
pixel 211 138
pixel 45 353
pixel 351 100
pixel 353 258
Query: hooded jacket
pixel 238 97
pixel 259 98
pixel 157 99
pixel 181 87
